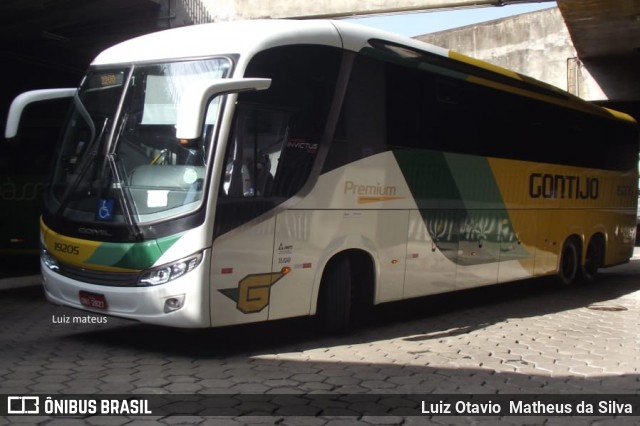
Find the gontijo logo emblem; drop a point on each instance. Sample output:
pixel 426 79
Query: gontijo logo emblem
pixel 254 291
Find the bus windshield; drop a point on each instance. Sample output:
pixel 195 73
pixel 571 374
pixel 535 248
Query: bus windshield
pixel 119 160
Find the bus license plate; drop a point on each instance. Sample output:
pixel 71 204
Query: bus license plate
pixel 93 300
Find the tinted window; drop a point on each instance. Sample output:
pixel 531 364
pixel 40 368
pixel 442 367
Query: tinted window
pixel 421 102
pixel 277 133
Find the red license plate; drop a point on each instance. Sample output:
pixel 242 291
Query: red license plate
pixel 93 300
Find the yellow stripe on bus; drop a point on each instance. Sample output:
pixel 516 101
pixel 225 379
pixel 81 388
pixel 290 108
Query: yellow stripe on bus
pixel 74 251
pixel 570 103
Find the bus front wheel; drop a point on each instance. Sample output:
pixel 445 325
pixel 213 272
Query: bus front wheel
pixel 334 300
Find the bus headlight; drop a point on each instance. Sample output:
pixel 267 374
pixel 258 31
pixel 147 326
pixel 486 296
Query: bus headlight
pixel 49 261
pixel 165 273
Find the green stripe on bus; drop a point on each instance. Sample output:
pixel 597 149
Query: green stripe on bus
pixel 429 177
pixel 450 181
pixel 475 181
pixel 136 256
pixel 460 203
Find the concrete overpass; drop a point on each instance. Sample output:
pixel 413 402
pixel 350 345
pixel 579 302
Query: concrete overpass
pixel 606 36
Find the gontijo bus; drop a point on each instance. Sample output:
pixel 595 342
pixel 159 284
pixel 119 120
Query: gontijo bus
pixel 248 171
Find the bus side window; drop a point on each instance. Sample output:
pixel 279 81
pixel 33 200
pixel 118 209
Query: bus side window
pixel 361 129
pixel 295 165
pixel 272 146
pixel 254 153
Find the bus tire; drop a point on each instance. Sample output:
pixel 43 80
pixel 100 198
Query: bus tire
pixel 569 263
pixel 334 299
pixel 593 260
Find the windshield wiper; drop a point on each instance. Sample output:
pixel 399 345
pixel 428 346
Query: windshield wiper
pixel 87 160
pixel 125 200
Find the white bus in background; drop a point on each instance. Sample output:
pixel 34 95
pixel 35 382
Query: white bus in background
pixel 248 171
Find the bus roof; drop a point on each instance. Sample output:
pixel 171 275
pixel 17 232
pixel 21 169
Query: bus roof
pixel 206 40
pixel 242 37
pixel 248 37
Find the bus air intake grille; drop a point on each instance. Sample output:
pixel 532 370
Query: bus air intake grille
pixel 115 279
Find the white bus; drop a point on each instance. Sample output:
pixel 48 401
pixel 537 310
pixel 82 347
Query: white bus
pixel 239 172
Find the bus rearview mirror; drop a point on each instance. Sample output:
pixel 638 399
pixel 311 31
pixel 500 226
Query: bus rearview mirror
pixel 22 100
pixel 193 106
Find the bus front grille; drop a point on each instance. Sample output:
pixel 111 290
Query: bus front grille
pixel 115 279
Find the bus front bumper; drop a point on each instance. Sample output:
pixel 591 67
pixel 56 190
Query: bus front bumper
pixel 180 303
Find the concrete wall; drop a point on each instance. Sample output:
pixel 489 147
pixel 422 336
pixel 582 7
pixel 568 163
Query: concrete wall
pixel 189 12
pixel 536 44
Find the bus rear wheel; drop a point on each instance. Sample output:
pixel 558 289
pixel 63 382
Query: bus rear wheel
pixel 569 263
pixel 334 300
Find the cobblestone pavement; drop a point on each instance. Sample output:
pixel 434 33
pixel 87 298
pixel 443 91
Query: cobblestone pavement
pixel 530 337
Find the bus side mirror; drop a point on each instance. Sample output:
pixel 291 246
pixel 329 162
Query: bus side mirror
pixel 193 106
pixel 22 100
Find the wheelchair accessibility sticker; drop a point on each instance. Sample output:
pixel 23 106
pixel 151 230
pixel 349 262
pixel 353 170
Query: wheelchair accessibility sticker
pixel 105 209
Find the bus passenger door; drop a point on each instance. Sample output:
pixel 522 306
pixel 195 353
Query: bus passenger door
pixel 241 269
pixel 242 254
pixel 295 256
